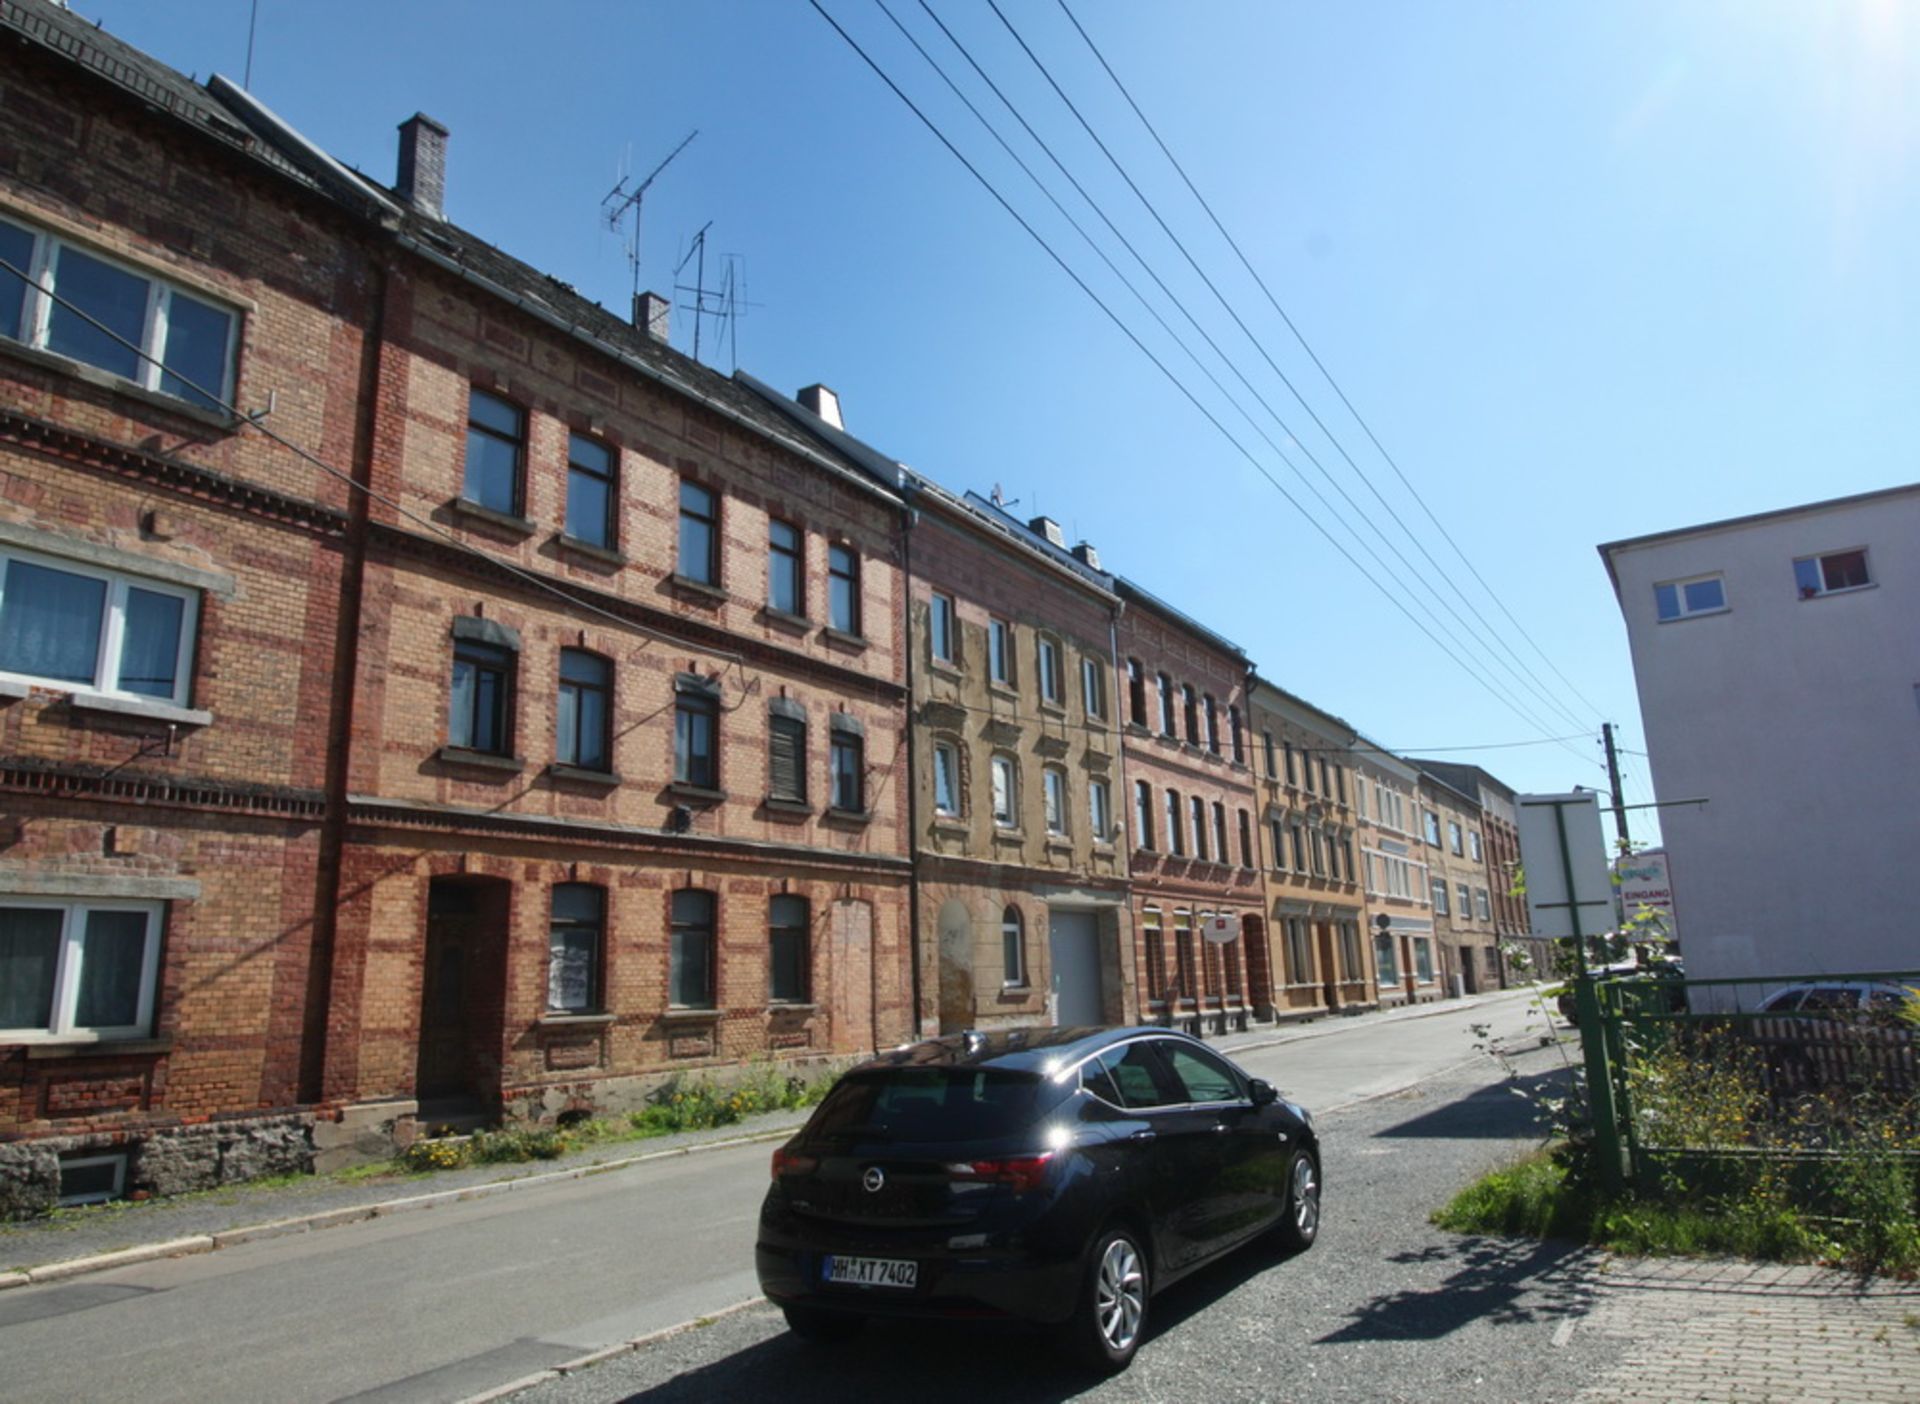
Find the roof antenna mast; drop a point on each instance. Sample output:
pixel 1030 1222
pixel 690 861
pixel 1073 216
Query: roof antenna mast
pixel 620 200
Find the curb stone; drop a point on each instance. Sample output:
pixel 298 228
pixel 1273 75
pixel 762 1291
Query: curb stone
pixel 100 1262
pixel 606 1353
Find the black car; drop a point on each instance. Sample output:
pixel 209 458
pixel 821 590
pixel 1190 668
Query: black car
pixel 1054 1176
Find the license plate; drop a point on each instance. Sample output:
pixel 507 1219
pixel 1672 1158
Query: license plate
pixel 872 1272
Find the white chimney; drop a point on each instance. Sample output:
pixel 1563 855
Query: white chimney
pixel 822 402
pixel 1049 528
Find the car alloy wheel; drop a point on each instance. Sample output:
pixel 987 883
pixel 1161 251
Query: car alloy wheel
pixel 1300 1224
pixel 1113 1310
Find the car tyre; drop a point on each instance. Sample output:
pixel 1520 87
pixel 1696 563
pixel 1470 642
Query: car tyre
pixel 1300 1222
pixel 817 1327
pixel 1111 1316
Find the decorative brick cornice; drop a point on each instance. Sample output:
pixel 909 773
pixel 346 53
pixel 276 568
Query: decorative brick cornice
pixel 186 479
pixel 59 780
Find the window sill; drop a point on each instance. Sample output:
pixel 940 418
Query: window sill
pixel 582 775
pixel 480 760
pixel 945 668
pixel 848 816
pixel 1059 843
pixel 474 512
pixel 107 380
pixel 556 1020
pixel 1003 689
pixel 1053 709
pixel 588 551
pixel 683 1015
pixel 792 1006
pixel 840 638
pixel 1823 594
pixel 700 794
pixel 1001 835
pixel 797 808
pixel 951 824
pixel 1102 849
pixel 697 590
pixel 73 1046
pixel 145 708
pixel 780 619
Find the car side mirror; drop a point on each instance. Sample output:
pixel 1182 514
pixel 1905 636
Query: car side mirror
pixel 1262 1092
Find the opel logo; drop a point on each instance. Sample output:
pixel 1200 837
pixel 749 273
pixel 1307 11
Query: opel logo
pixel 874 1180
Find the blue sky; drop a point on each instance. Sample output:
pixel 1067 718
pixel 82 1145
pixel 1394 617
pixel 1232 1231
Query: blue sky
pixel 1587 271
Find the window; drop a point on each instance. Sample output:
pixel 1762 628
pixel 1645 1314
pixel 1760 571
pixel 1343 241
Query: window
pixel 574 943
pixel 1093 686
pixel 1166 706
pixel 1326 782
pixel 1432 822
pixel 1000 652
pixel 1273 758
pixel 1440 897
pixel 1142 814
pixel 1006 799
pixel 1824 575
pixel 699 534
pixel 1306 767
pixel 1099 813
pixel 1290 775
pixel 1190 709
pixel 1202 1076
pixel 787 757
pixel 1350 968
pixel 1360 797
pixel 1246 840
pixel 788 924
pixel 1176 825
pixel 1048 656
pixel 584 714
pixel 496 453
pixel 843 589
pixel 480 714
pixel 1053 794
pixel 1385 956
pixel 786 563
pixel 1154 939
pixel 1333 858
pixel 1482 908
pixel 1340 782
pixel 1453 835
pixel 1299 848
pixel 1680 599
pixel 941 635
pixel 156 335
pixel 1221 853
pixel 946 778
pixel 95 629
pixel 1239 737
pixel 690 983
pixel 1277 836
pixel 1213 724
pixel 1299 951
pixel 848 759
pixel 590 498
pixel 1346 850
pixel 1197 811
pixel 696 739
pixel 77 969
pixel 1465 909
pixel 1473 844
pixel 1136 693
pixel 1188 984
pixel 1013 947
pixel 1319 852
pixel 1423 959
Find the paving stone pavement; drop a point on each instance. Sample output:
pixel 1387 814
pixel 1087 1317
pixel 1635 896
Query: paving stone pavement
pixel 1734 1332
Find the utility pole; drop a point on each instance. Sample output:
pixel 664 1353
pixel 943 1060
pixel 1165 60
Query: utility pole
pixel 1613 784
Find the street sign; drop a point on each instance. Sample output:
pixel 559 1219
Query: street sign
pixel 1645 886
pixel 1569 887
pixel 1222 928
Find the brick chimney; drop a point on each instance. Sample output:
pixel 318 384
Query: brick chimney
pixel 422 181
pixel 822 402
pixel 653 314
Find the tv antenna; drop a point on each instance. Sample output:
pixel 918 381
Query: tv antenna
pixel 726 303
pixel 620 200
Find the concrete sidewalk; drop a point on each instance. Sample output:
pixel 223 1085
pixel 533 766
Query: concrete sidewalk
pixel 76 1241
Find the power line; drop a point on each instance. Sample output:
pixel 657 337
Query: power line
pixel 1142 347
pixel 1327 375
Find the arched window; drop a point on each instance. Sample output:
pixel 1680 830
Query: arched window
pixel 1013 947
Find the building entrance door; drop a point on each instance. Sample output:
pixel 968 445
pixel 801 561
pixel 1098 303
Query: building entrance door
pixel 461 995
pixel 1073 939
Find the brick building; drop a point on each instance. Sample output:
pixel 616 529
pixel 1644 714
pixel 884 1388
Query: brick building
pixel 1322 961
pixel 1190 804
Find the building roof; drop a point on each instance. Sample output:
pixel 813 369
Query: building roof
pixel 1258 683
pixel 1005 522
pixel 1139 594
pixel 1609 549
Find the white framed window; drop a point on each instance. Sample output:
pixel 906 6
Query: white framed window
pixel 1832 573
pixel 94 309
pixel 1473 844
pixel 1440 897
pixel 1142 814
pixel 1013 948
pixel 81 626
pixel 1482 908
pixel 1000 651
pixel 1048 657
pixel 1197 811
pixel 1682 599
pixel 1432 822
pixel 1465 909
pixel 1093 687
pixel 946 778
pixel 1453 835
pixel 77 970
pixel 1006 796
pixel 92 1179
pixel 942 637
pixel 1099 811
pixel 1053 793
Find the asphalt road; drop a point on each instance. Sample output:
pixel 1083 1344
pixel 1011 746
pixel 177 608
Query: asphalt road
pixel 444 1304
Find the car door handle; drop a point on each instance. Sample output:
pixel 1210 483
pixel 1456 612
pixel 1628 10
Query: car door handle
pixel 1141 1137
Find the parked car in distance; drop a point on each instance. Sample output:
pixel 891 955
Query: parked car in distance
pixel 1839 997
pixel 1062 1177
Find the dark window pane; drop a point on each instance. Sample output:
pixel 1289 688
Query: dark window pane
pixel 111 960
pixel 493 471
pixel 150 643
pixel 589 508
pixel 573 964
pixel 585 690
pixel 690 977
pixel 788 919
pixel 114 299
pixel 1703 595
pixel 477 717
pixel 843 590
pixel 492 412
pixel 1666 599
pixel 1845 570
pixel 16 248
pixel 919 1104
pixel 50 622
pixel 693 759
pixel 783 567
pixel 194 361
pixel 787 758
pixel 698 556
pixel 848 781
pixel 29 955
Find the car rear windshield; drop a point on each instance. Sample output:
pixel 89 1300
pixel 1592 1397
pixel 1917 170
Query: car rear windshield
pixel 930 1104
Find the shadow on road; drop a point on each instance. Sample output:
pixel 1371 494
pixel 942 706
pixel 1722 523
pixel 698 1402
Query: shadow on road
pixel 1501 1112
pixel 1498 1281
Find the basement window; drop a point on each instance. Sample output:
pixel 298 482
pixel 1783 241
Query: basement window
pixel 92 1179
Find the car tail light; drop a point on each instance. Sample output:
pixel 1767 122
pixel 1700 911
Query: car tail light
pixel 786 1162
pixel 1022 1172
